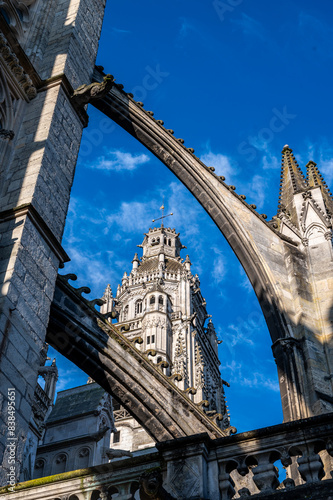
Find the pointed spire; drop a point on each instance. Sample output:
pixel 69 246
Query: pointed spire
pixel 315 179
pixel 187 263
pixel 292 182
pixel 135 261
pixel 108 300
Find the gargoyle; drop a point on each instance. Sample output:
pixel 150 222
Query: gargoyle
pixel 151 487
pixel 112 453
pixel 96 90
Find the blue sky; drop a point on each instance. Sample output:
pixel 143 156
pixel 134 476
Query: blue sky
pixel 237 79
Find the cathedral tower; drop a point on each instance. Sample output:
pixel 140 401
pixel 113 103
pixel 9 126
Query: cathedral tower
pixel 160 301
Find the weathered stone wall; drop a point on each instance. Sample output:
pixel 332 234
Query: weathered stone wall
pixel 35 188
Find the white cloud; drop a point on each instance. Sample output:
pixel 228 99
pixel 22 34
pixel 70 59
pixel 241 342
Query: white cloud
pixel 219 268
pixel 119 160
pixel 221 163
pixel 234 373
pixel 131 216
pixel 258 188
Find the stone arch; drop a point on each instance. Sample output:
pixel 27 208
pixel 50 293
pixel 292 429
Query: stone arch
pixel 122 370
pixel 39 468
pixel 82 458
pixel 245 230
pixel 315 233
pixel 59 463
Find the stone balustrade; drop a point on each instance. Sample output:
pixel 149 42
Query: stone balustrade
pixel 196 467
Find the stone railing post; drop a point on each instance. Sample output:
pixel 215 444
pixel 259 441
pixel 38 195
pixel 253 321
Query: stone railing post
pixel 226 483
pixel 310 465
pixel 265 474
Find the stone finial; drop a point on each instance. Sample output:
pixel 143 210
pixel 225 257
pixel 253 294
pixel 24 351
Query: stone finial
pixel 135 261
pixel 315 179
pixel 187 263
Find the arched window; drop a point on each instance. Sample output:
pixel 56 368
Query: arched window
pixel 82 458
pixel 159 359
pixel 59 464
pixel 125 313
pixel 138 307
pixel 39 468
pixel 152 299
pixel 160 300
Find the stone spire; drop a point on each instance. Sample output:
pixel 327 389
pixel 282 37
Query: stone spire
pixel 292 182
pixel 135 262
pixel 315 179
pixel 108 300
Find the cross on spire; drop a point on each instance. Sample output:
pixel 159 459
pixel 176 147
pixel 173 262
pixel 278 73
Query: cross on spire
pixel 163 216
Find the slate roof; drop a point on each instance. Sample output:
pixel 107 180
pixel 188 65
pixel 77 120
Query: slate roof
pixel 76 402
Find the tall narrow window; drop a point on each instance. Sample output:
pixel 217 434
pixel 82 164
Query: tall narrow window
pixel 138 307
pixel 125 313
pixel 116 437
pixel 148 340
pixel 160 300
pixel 152 299
pixel 153 339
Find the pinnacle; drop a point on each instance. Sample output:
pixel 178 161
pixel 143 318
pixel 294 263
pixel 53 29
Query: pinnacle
pixel 292 182
pixel 315 179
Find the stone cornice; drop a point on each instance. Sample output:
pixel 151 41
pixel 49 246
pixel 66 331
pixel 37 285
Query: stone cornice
pixel 41 226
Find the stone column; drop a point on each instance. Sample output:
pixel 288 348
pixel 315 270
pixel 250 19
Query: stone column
pixel 35 190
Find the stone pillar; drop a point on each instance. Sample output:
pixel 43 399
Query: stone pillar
pixel 187 467
pixel 35 190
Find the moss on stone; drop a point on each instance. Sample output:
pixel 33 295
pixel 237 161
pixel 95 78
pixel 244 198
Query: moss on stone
pixel 48 479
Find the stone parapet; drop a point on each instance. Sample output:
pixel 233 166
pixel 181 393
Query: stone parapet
pixel 197 467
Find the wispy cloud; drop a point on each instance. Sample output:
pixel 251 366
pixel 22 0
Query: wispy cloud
pixel 250 26
pixel 223 164
pixel 119 30
pixel 322 154
pixel 219 267
pixel 119 160
pixel 242 375
pixel 186 27
pixel 131 216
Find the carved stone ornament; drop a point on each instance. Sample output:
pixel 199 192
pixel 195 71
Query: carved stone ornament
pixel 84 452
pixel 61 458
pixel 151 487
pixel 6 134
pixel 22 82
pixel 87 93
